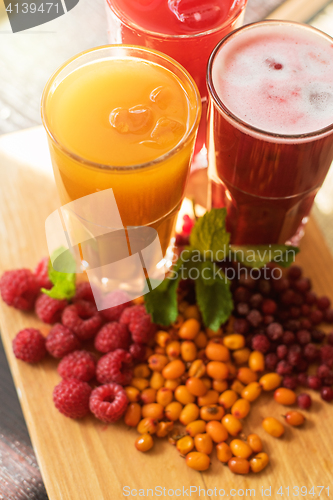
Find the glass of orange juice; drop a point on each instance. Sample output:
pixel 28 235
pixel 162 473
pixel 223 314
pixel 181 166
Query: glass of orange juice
pixel 122 118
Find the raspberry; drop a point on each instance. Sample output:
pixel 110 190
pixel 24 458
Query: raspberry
pixel 115 367
pixel 138 352
pixel 108 402
pixel 19 289
pixel 117 302
pixel 48 309
pixel 83 292
pixel 326 355
pixel 80 365
pixel 327 394
pixel 29 345
pixel 254 318
pixel 271 361
pixel 61 341
pixel 71 398
pixel 304 401
pixel 314 382
pixel 303 337
pixel 82 318
pixel 41 273
pixel 260 343
pixel 112 336
pixel 274 331
pixel 289 382
pixel 139 324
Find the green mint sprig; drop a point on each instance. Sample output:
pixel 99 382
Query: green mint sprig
pixel 64 286
pixel 209 246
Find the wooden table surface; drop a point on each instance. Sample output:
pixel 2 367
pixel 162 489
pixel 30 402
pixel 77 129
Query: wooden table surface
pixel 27 60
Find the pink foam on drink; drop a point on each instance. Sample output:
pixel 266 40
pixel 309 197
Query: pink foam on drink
pixel 277 79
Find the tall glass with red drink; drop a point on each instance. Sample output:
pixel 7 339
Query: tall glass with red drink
pixel 270 128
pixel 186 30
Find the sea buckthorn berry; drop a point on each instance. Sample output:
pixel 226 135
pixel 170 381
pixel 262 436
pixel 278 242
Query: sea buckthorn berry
pixel 183 395
pixel 148 395
pixel 220 385
pixel 141 371
pixel 157 380
pixel 147 426
pixel 172 384
pixel 273 427
pixel 196 386
pixel 173 350
pixel 212 334
pixel 198 461
pixel 192 312
pixel 196 427
pixel 133 394
pixel 157 362
pixel 217 370
pixel 239 465
pixel 203 443
pixel 294 418
pixel 173 411
pixel 164 396
pixel 234 341
pixel 241 356
pixel 270 381
pixel 208 383
pixel 241 408
pixel 159 350
pixel 140 383
pixel 188 350
pixel 201 340
pixel 240 448
pixel 144 442
pixel 257 361
pixel 255 442
pixel 185 445
pixel 232 424
pixel 259 462
pixel 175 434
pixel 232 370
pixel 189 329
pixel 174 369
pixel 217 352
pixel 163 429
pixel 228 398
pixel 133 414
pixel 237 386
pixel 251 392
pixel 246 375
pixel 197 369
pixel 153 410
pixel 223 452
pixel 210 398
pixel 179 321
pixel 189 413
pixel 162 338
pixel 284 396
pixel 211 412
pixel 217 431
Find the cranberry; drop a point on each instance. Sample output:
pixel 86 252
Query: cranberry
pixel 314 382
pixel 294 355
pixel 317 336
pixel 282 351
pixel 241 294
pixel 284 368
pixel 311 352
pixel 316 317
pixel 256 300
pixel 283 315
pixel 287 298
pixel 303 337
pixel 260 343
pixel 271 360
pixel 310 298
pixel 302 285
pixel 241 326
pixel 302 366
pixel 246 280
pixel 323 303
pixel 268 306
pixel 268 319
pixel 326 355
pixel 323 371
pixel 274 331
pixel 293 325
pixel 328 380
pixel 328 316
pixel 295 312
pixel 264 287
pixel 305 324
pixel 290 382
pixel 288 337
pixel 280 284
pixel 294 272
pixel 302 379
pixel 327 393
pixel 254 317
pixel 305 310
pixel 243 308
pixel 330 338
pixel 304 401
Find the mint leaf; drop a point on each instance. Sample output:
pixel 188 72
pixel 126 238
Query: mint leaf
pixel 209 235
pixel 63 281
pixel 257 256
pixel 213 295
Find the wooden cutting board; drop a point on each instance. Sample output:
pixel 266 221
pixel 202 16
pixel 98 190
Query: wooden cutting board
pixel 87 460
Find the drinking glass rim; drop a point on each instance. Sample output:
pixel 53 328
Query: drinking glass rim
pixel 244 125
pixel 171 36
pixel 119 168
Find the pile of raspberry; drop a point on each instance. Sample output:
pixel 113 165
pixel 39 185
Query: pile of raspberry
pixel 96 349
pixel 282 317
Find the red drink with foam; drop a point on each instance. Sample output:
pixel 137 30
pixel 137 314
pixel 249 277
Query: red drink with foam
pixel 270 128
pixel 186 30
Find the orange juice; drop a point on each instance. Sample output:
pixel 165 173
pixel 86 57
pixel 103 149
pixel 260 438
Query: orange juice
pixel 125 118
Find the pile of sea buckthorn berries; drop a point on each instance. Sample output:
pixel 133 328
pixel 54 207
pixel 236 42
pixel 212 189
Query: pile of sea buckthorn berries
pixel 187 383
